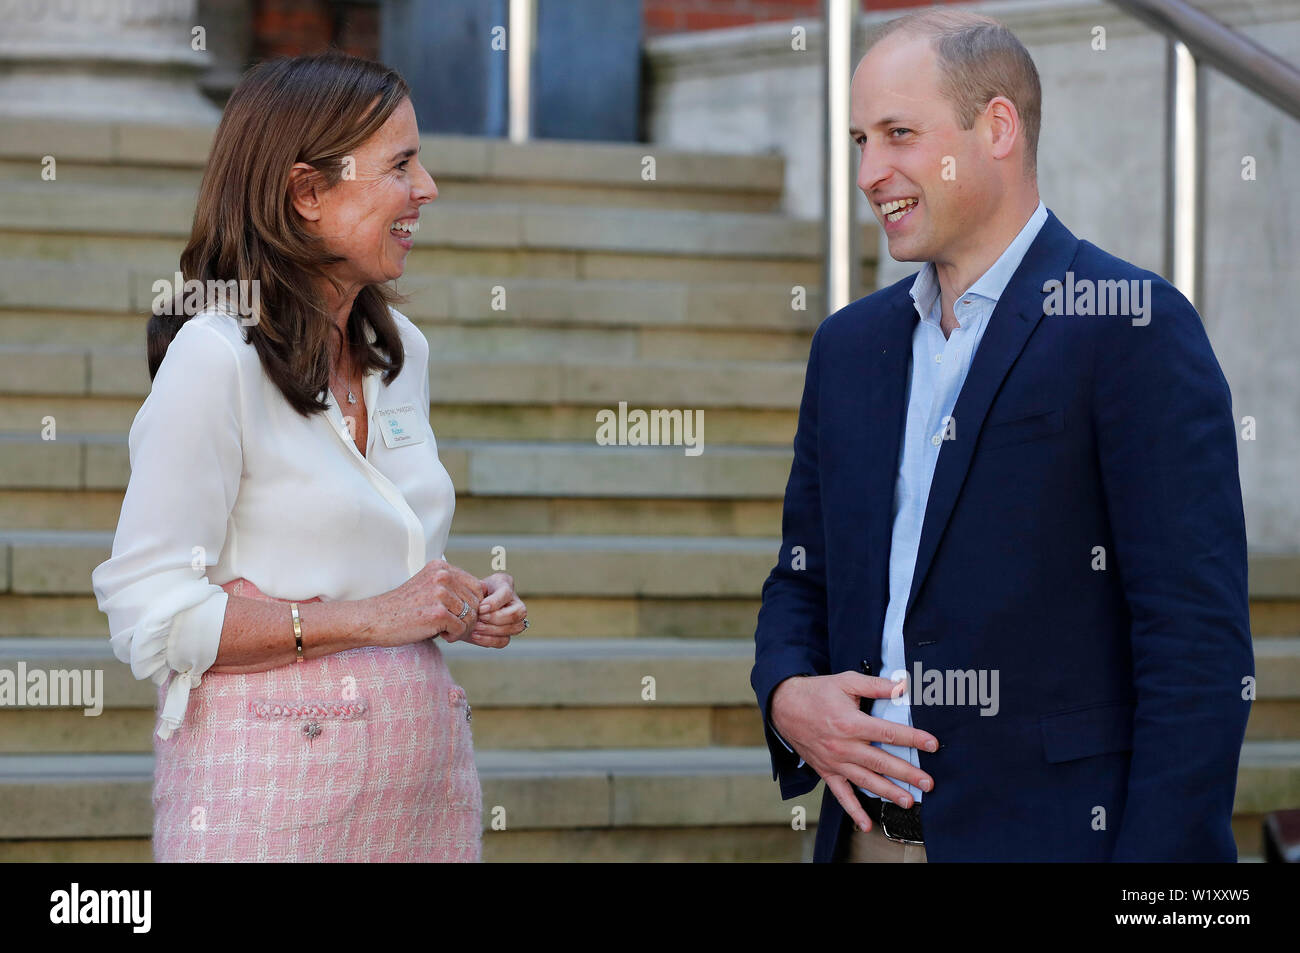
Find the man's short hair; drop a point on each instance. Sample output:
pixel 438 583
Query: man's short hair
pixel 979 59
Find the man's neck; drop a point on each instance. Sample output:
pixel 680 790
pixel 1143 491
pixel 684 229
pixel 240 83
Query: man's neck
pixel 956 275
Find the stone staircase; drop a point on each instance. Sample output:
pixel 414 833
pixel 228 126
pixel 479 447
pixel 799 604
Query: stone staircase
pixel 637 563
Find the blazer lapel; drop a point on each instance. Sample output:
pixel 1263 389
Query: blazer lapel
pixel 1014 318
pixel 885 365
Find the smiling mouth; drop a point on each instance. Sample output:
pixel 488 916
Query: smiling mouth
pixel 404 231
pixel 897 209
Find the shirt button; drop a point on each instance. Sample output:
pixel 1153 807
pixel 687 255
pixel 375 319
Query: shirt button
pixel 938 359
pixel 937 439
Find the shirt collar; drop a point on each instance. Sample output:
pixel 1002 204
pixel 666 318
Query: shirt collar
pixel 991 284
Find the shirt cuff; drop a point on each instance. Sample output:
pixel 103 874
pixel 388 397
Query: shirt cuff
pixel 778 737
pixel 192 646
pixel 178 631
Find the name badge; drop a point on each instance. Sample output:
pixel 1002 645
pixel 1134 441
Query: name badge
pixel 401 426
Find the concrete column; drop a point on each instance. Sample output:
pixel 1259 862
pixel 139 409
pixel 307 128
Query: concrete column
pixel 103 59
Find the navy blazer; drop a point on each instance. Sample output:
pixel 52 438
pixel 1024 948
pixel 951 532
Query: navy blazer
pixel 1122 690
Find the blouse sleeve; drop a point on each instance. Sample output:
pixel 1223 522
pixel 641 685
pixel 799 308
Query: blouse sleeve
pixel 186 452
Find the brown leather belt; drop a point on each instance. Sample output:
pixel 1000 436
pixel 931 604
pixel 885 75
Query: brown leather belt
pixel 902 825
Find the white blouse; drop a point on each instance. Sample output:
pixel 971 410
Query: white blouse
pixel 228 480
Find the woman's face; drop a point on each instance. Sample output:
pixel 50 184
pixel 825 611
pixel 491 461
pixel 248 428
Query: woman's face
pixel 359 216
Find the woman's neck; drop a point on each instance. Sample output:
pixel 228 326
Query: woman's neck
pixel 341 307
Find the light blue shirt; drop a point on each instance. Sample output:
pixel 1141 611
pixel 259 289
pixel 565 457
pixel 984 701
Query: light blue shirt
pixel 939 368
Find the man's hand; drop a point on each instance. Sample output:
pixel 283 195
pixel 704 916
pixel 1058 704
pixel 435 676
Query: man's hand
pixel 819 717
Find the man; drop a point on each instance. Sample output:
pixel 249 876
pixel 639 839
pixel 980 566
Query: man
pixel 1015 480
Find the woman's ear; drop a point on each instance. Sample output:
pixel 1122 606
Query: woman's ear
pixel 303 182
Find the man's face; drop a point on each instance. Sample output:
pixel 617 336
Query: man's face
pixel 913 149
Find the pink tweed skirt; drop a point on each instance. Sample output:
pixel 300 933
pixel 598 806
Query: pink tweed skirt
pixel 365 755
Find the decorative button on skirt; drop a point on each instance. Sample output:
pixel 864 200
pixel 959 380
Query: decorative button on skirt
pixel 365 755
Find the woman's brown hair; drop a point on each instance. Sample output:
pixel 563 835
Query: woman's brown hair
pixel 314 109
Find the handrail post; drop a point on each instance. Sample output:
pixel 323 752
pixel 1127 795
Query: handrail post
pixel 837 172
pixel 1185 173
pixel 521 39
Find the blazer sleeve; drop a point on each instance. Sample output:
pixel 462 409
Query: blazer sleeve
pixel 186 451
pixel 1167 448
pixel 791 636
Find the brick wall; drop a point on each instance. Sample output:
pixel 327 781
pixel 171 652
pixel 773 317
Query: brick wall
pixel 677 16
pixel 294 27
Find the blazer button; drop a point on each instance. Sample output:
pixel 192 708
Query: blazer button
pixel 311 730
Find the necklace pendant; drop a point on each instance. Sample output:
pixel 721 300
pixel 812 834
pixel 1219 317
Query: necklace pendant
pixel 352 399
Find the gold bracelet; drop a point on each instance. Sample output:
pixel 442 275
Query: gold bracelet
pixel 297 628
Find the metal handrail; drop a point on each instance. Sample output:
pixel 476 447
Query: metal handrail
pixel 838 214
pixel 1230 52
pixel 1194 39
pixel 521 39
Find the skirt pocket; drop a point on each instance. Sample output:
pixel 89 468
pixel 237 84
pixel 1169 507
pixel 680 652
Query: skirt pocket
pixel 463 790
pixel 305 761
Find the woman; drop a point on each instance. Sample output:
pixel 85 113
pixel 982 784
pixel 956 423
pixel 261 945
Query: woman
pixel 272 554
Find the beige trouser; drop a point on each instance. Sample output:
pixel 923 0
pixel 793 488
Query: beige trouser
pixel 874 847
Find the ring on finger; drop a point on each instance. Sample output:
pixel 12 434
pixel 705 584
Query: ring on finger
pixel 464 611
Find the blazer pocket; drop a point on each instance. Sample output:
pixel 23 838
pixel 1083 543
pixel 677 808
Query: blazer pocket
pixel 1084 732
pixel 306 762
pixel 1002 433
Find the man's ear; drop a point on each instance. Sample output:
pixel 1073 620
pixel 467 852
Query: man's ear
pixel 303 191
pixel 1003 126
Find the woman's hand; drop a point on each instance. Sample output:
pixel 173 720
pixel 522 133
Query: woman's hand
pixel 430 604
pixel 501 614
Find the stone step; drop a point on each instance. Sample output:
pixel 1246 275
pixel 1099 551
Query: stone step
pixel 108 795
pixel 477 467
pixel 1277 667
pixel 77 616
pixel 476 168
pixel 586 673
pixel 761 426
pixel 546 694
pixel 78 307
pixel 1275 713
pixel 58 562
pixel 640 516
pixel 117 272
pixel 1276 616
pixel 746 844
pixel 585 617
pixel 29 371
pixel 127 730
pixel 47 209
pixel 566 340
pixel 53 797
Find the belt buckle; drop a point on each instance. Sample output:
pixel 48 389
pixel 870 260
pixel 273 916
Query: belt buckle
pixel 885 830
